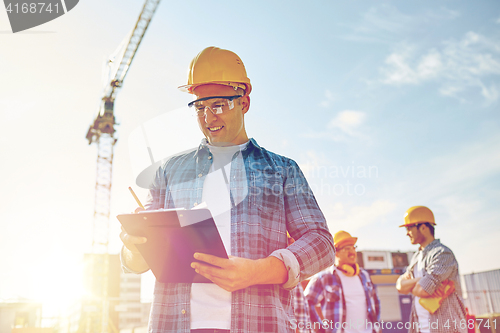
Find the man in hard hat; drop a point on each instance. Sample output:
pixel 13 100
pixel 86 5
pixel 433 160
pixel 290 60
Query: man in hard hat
pixel 344 292
pixel 255 196
pixel 432 278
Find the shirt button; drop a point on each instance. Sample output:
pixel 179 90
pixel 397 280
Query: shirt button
pixel 183 311
pixel 195 204
pixel 209 157
pixel 200 175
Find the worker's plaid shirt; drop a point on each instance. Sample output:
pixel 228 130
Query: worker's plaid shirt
pixel 326 290
pixel 270 196
pixel 301 311
pixel 440 264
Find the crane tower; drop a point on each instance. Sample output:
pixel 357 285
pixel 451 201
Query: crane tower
pixel 102 133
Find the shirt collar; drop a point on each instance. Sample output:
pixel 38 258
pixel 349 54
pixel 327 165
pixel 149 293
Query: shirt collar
pixel 203 147
pixel 431 245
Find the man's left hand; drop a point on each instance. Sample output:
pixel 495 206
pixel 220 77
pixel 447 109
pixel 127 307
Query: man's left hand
pixel 238 273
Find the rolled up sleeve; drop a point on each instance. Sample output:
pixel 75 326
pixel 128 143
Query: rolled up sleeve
pixel 441 268
pixel 292 266
pixel 313 247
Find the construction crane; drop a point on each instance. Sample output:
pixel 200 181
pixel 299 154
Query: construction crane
pixel 102 132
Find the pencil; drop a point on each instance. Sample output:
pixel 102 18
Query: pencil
pixel 135 197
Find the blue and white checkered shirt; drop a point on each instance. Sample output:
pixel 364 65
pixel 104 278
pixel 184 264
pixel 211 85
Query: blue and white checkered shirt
pixel 440 264
pixel 301 311
pixel 269 196
pixel 326 290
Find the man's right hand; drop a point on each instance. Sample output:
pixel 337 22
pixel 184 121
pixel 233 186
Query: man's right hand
pixel 132 258
pixel 130 241
pixel 405 284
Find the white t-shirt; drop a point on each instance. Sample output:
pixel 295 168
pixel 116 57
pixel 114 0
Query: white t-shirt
pixel 422 314
pixel 210 304
pixel 355 301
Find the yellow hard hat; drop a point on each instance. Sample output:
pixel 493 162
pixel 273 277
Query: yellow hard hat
pixel 418 214
pixel 343 238
pixel 218 66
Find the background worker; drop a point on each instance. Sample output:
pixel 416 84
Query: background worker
pixel 346 295
pixel 255 199
pixel 430 270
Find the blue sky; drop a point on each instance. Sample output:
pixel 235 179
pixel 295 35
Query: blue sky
pixel 406 94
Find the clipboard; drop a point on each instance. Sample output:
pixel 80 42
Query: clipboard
pixel 173 238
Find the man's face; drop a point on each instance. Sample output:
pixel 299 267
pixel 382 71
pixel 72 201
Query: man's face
pixel 225 129
pixel 416 236
pixel 346 254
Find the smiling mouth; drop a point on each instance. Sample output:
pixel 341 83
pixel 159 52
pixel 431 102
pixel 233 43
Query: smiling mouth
pixel 215 129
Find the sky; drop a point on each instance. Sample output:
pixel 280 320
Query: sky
pixel 384 105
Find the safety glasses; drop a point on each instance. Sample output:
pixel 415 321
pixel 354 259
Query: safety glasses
pixel 216 104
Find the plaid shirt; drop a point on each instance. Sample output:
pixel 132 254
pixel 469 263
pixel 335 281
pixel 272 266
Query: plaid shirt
pixel 326 289
pixel 440 264
pixel 301 310
pixel 269 195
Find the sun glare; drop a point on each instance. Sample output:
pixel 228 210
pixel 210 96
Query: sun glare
pixel 58 285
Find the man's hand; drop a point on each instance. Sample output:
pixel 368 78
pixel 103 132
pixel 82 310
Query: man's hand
pixel 419 291
pixel 131 255
pixel 238 273
pixel 405 284
pixel 130 241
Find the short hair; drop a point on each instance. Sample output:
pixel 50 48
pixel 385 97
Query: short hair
pixel 428 225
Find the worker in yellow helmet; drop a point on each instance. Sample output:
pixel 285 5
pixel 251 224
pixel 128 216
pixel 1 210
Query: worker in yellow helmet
pixel 343 297
pixel 255 196
pixel 219 81
pixel 432 278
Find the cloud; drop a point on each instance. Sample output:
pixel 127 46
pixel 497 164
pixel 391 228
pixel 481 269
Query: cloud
pixel 385 18
pixel 313 160
pixel 347 121
pixel 386 24
pixel 452 91
pixel 399 71
pixel 458 66
pixel 490 94
pixel 329 99
pixel 344 126
pixel 380 24
pixel 445 14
